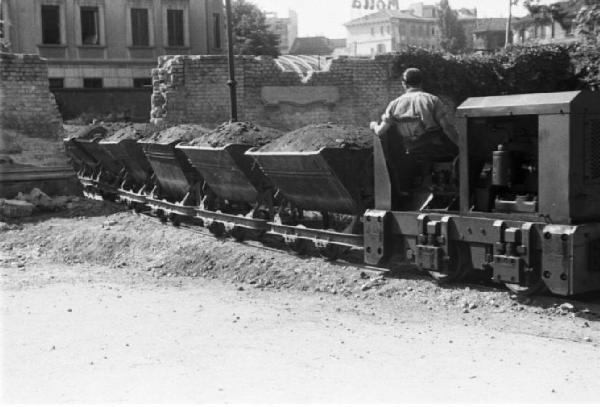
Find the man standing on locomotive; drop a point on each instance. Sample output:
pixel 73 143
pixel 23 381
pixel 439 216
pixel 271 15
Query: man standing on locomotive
pixel 420 119
pixel 415 132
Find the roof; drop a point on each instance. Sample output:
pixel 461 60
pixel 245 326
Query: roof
pixel 337 42
pixel 386 15
pixel 490 24
pixel 311 46
pixel 531 103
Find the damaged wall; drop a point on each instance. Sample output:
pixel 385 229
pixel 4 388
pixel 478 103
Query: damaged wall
pixel 193 89
pixel 25 100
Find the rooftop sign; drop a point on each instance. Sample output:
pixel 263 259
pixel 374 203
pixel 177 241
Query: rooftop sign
pixel 375 4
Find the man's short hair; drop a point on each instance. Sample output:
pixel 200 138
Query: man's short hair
pixel 412 77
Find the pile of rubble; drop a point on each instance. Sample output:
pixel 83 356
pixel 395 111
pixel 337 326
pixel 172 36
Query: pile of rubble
pixel 36 201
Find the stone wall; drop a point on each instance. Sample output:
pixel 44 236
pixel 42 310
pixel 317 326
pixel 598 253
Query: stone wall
pixel 193 89
pixel 26 104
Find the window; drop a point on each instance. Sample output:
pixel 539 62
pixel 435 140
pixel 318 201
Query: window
pixel 175 28
pixel 92 83
pixel 50 25
pixel 90 33
pixel 142 82
pixel 217 28
pixel 381 30
pixel 139 27
pixel 372 31
pixel 56 83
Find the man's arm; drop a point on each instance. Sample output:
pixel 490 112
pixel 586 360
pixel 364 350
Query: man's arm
pixel 380 128
pixel 386 120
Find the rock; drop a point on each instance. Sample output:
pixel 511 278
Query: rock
pixel 587 339
pixel 13 208
pixel 567 307
pixel 109 223
pixel 240 288
pixel 472 306
pixel 69 310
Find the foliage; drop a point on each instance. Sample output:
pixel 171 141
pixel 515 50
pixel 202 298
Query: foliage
pixel 453 38
pixel 549 68
pixel 250 30
pixel 588 22
pixel 585 59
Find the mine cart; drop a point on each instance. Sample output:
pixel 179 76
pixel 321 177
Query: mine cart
pixel 131 156
pixel 177 180
pixel 331 181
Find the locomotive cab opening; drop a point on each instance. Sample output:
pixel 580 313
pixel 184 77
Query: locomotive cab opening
pixel 534 157
pixel 503 164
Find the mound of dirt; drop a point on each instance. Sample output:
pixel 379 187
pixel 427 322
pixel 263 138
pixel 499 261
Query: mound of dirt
pixel 316 136
pixel 134 131
pixel 89 132
pixel 179 133
pixel 236 132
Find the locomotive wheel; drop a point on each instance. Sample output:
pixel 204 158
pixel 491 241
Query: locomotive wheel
pixel 457 268
pixel 238 233
pixel 536 286
pixel 331 252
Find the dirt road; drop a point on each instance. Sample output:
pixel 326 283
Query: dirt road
pixel 119 327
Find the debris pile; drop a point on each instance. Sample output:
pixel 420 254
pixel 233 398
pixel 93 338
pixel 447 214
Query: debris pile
pixel 13 208
pixel 316 136
pixel 26 204
pixel 236 133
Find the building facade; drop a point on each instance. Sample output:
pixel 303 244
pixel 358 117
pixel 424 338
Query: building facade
pixel 111 43
pixel 489 34
pixel 393 30
pixel 285 27
pixel 552 23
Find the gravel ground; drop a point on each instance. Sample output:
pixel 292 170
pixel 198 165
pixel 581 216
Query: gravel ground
pixel 100 233
pixel 80 281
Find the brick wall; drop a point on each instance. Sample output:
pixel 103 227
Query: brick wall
pixel 26 104
pixel 193 89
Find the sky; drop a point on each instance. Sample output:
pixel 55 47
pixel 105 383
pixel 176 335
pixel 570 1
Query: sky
pixel 325 17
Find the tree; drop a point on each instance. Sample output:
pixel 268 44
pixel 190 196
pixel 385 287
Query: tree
pixel 250 31
pixel 587 22
pixel 453 38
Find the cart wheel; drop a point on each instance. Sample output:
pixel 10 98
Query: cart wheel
pixel 217 229
pixel 175 219
pixel 331 252
pixel 238 233
pixel 458 266
pixel 160 214
pixel 299 246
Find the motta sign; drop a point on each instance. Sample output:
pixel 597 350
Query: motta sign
pixel 375 4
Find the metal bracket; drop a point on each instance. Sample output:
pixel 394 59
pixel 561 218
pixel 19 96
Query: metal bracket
pixel 433 242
